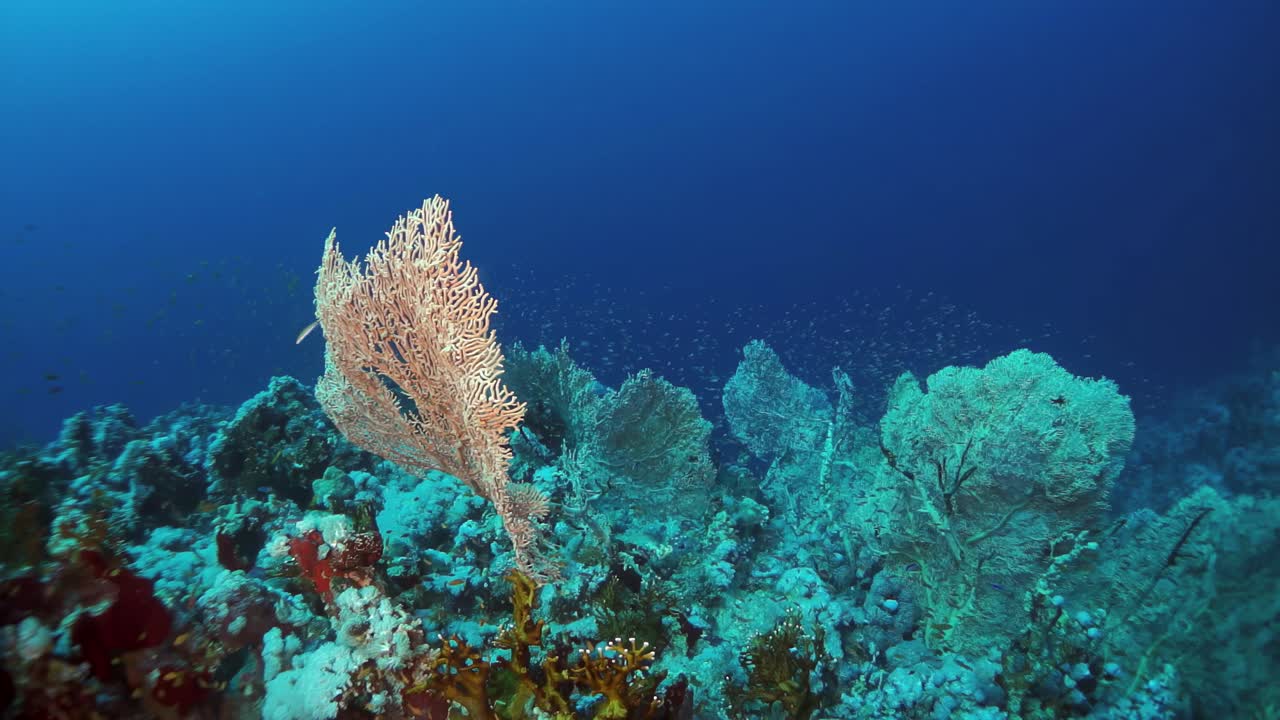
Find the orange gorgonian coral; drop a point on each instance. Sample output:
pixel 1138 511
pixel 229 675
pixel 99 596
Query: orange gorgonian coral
pixel 413 370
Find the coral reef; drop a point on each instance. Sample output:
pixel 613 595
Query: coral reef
pixel 404 547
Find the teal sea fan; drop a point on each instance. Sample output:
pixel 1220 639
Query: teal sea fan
pixel 994 472
pixel 1035 428
pixel 560 393
pixel 1193 588
pixel 648 445
pixel 771 411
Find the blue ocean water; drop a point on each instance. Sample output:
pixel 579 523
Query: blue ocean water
pixel 881 188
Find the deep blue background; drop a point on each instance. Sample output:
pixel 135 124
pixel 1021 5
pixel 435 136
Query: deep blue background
pixel 168 171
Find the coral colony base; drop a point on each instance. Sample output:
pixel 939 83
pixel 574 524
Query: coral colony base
pixel 436 530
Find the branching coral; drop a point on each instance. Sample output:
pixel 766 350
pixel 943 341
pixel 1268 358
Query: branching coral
pixel 780 664
pixel 616 672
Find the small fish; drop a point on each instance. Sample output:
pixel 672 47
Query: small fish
pixel 455 582
pixel 305 332
pixel 51 376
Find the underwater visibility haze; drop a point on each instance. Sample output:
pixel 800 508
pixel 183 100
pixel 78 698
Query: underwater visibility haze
pixel 508 360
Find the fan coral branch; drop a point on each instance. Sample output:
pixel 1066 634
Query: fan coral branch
pixel 412 368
